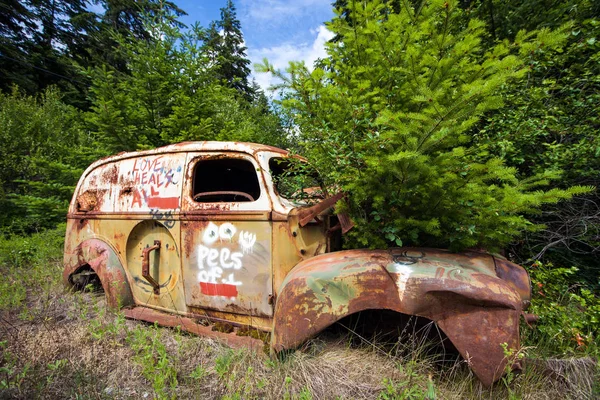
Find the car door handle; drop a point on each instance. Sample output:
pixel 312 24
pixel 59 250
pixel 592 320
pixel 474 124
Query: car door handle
pixel 146 266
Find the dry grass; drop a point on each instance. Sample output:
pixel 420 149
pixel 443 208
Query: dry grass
pixel 66 345
pixel 71 348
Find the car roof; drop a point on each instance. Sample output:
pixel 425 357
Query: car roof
pixel 183 147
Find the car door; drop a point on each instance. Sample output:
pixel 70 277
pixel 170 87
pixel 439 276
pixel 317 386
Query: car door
pixel 226 234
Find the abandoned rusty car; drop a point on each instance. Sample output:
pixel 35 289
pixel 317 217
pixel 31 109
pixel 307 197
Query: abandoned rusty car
pixel 196 232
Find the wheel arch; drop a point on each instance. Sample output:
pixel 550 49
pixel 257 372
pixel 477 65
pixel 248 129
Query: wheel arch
pixel 104 261
pixel 320 291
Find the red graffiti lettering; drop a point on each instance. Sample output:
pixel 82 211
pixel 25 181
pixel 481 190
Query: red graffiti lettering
pixel 218 289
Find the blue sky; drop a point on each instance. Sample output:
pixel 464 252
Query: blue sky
pixel 281 30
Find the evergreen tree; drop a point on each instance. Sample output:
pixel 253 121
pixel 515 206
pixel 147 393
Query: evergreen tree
pixel 387 120
pixel 41 42
pixel 170 95
pixel 552 123
pixel 225 42
pixel 16 26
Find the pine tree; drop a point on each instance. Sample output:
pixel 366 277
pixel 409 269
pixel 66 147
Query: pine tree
pixel 171 94
pixel 16 25
pixel 225 41
pixel 387 120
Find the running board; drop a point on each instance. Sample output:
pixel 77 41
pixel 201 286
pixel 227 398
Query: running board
pixel 191 326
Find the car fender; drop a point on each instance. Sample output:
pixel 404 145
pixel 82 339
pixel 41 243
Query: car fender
pixel 475 308
pixel 105 262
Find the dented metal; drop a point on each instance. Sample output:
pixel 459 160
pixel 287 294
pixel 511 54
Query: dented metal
pixel 198 230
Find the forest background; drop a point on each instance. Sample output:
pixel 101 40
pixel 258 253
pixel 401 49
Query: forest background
pixel 456 124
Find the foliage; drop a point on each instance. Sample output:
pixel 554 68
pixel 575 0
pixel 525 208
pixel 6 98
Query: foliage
pixel 45 151
pixel 387 115
pixel 551 123
pixel 569 313
pixel 45 42
pixel 31 263
pixel 410 387
pixel 170 96
pixel 152 356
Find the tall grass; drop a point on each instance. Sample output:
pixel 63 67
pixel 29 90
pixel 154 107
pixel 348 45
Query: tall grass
pixel 58 344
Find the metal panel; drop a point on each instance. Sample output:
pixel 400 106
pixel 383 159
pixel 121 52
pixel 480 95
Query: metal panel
pixel 227 256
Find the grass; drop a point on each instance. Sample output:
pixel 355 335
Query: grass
pixel 57 344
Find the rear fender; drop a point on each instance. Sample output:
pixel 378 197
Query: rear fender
pixel 478 311
pixel 103 260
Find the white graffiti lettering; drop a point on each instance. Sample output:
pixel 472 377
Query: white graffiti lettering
pixel 217 264
pixel 231 281
pixel 247 240
pixel 223 258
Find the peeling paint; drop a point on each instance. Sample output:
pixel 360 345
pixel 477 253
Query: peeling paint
pixel 260 261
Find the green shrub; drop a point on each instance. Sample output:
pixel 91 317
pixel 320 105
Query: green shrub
pixel 387 117
pixel 569 313
pixel 30 263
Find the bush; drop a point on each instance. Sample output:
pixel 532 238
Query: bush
pixel 387 118
pixel 569 313
pixel 30 263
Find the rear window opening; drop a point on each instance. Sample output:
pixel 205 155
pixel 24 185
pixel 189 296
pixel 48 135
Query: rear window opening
pixel 225 180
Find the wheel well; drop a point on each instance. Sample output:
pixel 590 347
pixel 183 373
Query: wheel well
pixel 396 333
pixel 85 279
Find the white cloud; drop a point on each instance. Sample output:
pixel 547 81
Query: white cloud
pixel 280 56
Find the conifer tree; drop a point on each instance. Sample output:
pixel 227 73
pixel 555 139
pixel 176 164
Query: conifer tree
pixel 225 41
pixel 386 119
pixel 171 94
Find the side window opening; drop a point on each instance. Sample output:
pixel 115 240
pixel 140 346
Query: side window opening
pixel 295 180
pixel 225 180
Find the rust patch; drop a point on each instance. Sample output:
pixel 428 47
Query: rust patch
pixel 189 325
pixel 111 175
pixel 515 275
pixel 89 200
pixel 81 224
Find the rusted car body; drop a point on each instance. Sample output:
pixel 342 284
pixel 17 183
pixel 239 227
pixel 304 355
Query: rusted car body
pixel 198 231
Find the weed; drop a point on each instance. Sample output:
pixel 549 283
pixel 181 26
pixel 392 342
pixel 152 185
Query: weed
pixel 10 376
pixel 223 363
pixel 409 386
pixel 33 263
pixel 199 373
pixel 305 394
pixel 512 356
pixel 157 366
pixel 569 313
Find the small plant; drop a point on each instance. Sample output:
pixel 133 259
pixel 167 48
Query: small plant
pixel 152 356
pixel 223 363
pixel 512 356
pixel 305 394
pixel 10 377
pixel 55 369
pixel 199 373
pixel 287 382
pixel 409 387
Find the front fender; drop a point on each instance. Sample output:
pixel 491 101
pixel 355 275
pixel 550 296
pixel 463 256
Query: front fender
pixel 475 308
pixel 106 264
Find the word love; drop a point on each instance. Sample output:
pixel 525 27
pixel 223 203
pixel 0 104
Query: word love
pixel 154 171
